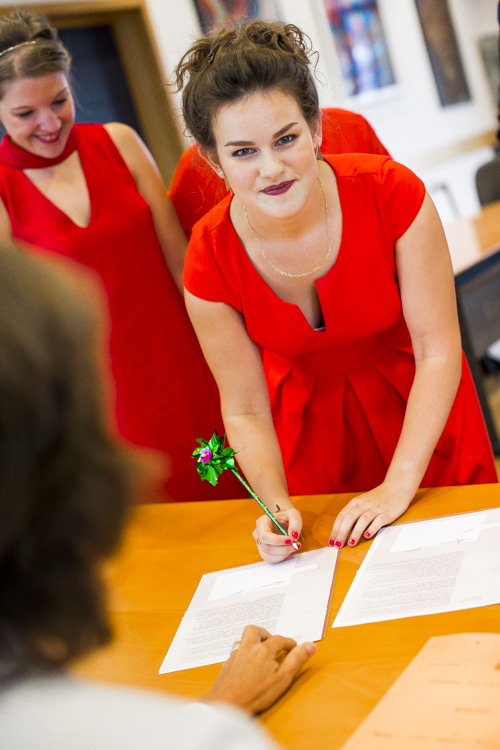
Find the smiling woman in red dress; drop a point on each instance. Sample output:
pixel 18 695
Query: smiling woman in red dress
pixel 94 194
pixel 196 188
pixel 322 294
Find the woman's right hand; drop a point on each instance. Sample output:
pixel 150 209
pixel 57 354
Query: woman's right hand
pixel 272 545
pixel 260 668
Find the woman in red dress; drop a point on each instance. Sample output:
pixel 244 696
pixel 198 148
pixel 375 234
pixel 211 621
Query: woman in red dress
pixel 322 295
pixel 94 194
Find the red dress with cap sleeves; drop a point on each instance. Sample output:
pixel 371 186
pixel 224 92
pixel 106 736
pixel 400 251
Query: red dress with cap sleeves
pixel 165 394
pixel 339 396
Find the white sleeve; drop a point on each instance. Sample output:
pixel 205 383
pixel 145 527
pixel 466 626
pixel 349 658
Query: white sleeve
pixel 61 713
pixel 227 729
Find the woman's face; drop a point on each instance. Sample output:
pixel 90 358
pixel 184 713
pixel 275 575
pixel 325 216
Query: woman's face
pixel 267 152
pixel 38 113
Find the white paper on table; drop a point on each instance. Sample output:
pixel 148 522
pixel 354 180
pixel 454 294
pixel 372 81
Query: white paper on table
pixel 242 581
pixel 419 535
pixel 448 696
pixel 427 567
pixel 291 598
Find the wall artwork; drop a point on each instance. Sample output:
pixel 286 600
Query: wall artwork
pixel 361 45
pixel 212 13
pixel 488 46
pixel 443 51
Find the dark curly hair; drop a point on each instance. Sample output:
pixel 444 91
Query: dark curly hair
pixel 65 483
pixel 48 55
pixel 242 59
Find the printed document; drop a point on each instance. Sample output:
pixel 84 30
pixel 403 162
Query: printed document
pixel 291 598
pixel 448 696
pixel 427 567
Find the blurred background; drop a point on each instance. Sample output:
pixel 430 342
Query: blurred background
pixel 423 72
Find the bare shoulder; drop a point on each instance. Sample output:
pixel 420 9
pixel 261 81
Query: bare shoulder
pixel 121 133
pixel 131 146
pixel 125 138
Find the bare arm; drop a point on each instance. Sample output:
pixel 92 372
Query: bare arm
pixel 428 297
pixel 6 237
pixel 237 367
pixel 150 185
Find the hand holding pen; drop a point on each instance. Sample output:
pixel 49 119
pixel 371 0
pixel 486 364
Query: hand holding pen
pixel 212 458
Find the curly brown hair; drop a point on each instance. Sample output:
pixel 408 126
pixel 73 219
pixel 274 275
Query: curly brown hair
pixel 48 55
pixel 65 483
pixel 239 60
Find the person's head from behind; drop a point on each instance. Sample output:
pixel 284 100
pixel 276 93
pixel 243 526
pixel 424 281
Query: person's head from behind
pixel 64 483
pixel 36 104
pixel 250 101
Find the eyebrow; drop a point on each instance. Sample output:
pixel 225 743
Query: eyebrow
pixel 250 143
pixel 28 106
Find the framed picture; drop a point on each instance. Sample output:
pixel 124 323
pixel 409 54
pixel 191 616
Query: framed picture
pixel 361 45
pixel 488 46
pixel 443 51
pixel 212 13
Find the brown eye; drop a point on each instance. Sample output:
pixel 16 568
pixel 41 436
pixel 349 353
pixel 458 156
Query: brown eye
pixel 285 140
pixel 243 152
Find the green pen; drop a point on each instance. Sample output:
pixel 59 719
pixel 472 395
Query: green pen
pixel 213 458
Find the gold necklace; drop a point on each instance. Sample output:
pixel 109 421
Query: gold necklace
pixel 307 273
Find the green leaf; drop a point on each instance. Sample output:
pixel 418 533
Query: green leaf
pixel 212 475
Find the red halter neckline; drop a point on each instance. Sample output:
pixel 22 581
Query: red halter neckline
pixel 17 157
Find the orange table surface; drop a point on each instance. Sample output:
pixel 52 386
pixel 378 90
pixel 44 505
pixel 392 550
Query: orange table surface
pixel 169 547
pixel 471 239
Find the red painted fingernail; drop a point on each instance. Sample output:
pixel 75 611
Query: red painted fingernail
pixel 288 541
pixel 295 534
pixel 332 543
pixel 299 545
pixel 352 541
pixel 367 534
pixel 338 544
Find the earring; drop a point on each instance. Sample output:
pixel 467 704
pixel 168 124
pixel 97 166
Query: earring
pixel 319 155
pixel 226 183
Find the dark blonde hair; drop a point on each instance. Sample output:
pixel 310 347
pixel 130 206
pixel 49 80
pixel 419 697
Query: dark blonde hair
pixel 242 59
pixel 65 484
pixel 47 55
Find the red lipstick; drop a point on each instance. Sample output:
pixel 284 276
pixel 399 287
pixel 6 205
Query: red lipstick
pixel 278 189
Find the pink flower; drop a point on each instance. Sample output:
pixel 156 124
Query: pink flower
pixel 206 455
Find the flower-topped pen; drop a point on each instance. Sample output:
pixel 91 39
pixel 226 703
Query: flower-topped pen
pixel 213 458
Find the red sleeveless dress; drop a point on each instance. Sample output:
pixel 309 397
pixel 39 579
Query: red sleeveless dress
pixel 339 396
pixel 165 394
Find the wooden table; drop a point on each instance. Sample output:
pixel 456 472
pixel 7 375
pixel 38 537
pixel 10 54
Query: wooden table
pixel 169 547
pixel 471 239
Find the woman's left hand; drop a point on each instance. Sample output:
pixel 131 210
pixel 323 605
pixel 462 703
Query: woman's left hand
pixel 366 514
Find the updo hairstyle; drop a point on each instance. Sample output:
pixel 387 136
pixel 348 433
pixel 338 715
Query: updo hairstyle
pixel 240 60
pixel 48 55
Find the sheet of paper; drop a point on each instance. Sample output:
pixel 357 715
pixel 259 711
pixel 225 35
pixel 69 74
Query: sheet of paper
pixel 232 583
pixel 426 567
pixel 291 598
pixel 448 696
pixel 441 532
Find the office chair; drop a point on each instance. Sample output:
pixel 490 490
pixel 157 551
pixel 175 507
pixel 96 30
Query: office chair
pixel 488 181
